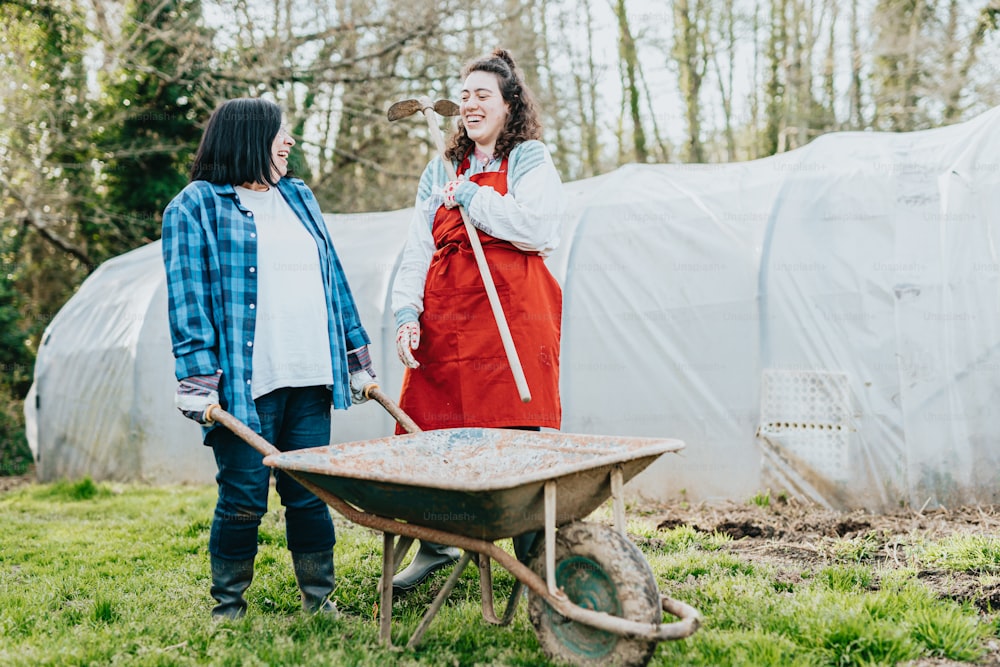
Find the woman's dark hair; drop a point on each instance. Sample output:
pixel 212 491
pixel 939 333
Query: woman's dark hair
pixel 522 121
pixel 236 145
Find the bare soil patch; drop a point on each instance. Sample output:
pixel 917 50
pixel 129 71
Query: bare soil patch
pixel 12 482
pixel 795 538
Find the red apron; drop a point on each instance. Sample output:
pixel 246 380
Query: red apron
pixel 464 378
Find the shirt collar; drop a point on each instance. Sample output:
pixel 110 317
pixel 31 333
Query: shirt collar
pixel 229 189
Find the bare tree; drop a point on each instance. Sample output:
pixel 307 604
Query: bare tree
pixel 901 39
pixel 855 117
pixel 630 83
pixel 552 94
pixel 691 53
pixel 777 56
pixel 726 39
pixel 958 65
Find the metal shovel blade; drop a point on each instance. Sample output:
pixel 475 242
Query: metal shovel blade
pixel 446 108
pixel 403 109
pixel 409 107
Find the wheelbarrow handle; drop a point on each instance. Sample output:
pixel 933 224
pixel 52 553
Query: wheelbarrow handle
pixel 215 413
pixel 404 420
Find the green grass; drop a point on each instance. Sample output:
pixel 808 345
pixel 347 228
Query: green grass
pixel 95 574
pixel 761 499
pixel 962 553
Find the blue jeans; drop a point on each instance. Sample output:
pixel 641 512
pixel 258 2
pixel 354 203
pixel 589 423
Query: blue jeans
pixel 290 418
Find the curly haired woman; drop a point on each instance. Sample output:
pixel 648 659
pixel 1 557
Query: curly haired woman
pixel 457 374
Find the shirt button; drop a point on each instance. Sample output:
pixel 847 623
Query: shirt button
pixel 249 343
pixel 248 381
pixel 253 235
pixel 252 306
pixel 252 270
pixel 250 214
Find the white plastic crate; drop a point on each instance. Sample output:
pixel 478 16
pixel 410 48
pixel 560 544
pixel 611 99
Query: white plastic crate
pixel 807 416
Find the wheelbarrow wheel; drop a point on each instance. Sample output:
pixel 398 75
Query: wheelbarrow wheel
pixel 598 568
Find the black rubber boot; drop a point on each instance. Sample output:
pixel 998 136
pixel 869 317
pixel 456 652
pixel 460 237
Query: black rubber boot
pixel 315 575
pixel 230 579
pixel 430 558
pixel 525 546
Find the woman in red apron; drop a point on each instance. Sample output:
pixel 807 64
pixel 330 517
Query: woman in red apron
pixel 457 371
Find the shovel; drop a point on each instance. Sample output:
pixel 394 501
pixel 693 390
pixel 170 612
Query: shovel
pixel 407 108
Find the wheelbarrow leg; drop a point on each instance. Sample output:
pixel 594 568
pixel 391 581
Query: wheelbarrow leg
pixel 618 498
pixel 392 556
pixel 512 602
pixel 486 594
pixel 486 589
pixel 399 553
pixel 385 588
pixel 550 537
pixel 442 595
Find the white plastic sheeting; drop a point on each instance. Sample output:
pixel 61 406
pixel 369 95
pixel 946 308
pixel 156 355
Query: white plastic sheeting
pixel 823 322
pixel 879 288
pixel 103 390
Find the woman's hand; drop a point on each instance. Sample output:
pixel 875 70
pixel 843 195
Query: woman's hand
pixel 407 340
pixel 448 192
pixel 359 365
pixel 458 193
pixel 360 383
pixel 196 394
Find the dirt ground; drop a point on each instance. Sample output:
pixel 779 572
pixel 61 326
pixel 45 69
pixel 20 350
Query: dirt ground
pixel 794 538
pixel 13 482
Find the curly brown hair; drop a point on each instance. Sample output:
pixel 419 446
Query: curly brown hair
pixel 522 123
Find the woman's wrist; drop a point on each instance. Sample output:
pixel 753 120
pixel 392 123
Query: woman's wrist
pixel 407 314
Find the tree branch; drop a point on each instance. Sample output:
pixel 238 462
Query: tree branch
pixel 32 218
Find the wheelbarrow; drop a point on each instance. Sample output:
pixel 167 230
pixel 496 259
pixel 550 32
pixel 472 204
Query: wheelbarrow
pixel 592 597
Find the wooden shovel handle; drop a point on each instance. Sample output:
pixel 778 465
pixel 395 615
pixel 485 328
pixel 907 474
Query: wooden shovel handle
pixel 484 270
pixel 404 420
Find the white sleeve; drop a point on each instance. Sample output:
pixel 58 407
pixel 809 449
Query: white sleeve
pixel 530 214
pixel 408 285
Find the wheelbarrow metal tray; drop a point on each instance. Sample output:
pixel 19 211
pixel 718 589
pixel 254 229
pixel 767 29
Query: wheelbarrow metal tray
pixel 476 482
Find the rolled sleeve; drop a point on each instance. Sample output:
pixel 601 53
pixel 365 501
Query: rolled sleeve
pixel 404 315
pixel 465 192
pixel 199 362
pixel 356 337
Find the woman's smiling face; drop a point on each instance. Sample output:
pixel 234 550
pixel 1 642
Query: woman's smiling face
pixel 280 147
pixel 483 109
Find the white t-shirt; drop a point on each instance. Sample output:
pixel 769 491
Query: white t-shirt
pixel 291 346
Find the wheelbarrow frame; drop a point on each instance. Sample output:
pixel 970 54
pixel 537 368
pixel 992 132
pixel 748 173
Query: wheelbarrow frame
pixel 393 552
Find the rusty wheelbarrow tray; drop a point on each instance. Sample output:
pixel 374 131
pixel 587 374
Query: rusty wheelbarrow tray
pixel 468 487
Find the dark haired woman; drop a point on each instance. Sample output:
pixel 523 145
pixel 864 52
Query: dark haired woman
pixel 457 372
pixel 262 322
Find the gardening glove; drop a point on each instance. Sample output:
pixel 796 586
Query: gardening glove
pixel 360 383
pixel 448 191
pixel 359 365
pixel 407 340
pixel 459 193
pixel 196 394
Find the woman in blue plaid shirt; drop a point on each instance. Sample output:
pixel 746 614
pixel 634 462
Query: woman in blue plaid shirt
pixel 262 322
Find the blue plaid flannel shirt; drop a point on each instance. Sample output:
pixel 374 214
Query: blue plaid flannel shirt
pixel 210 254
